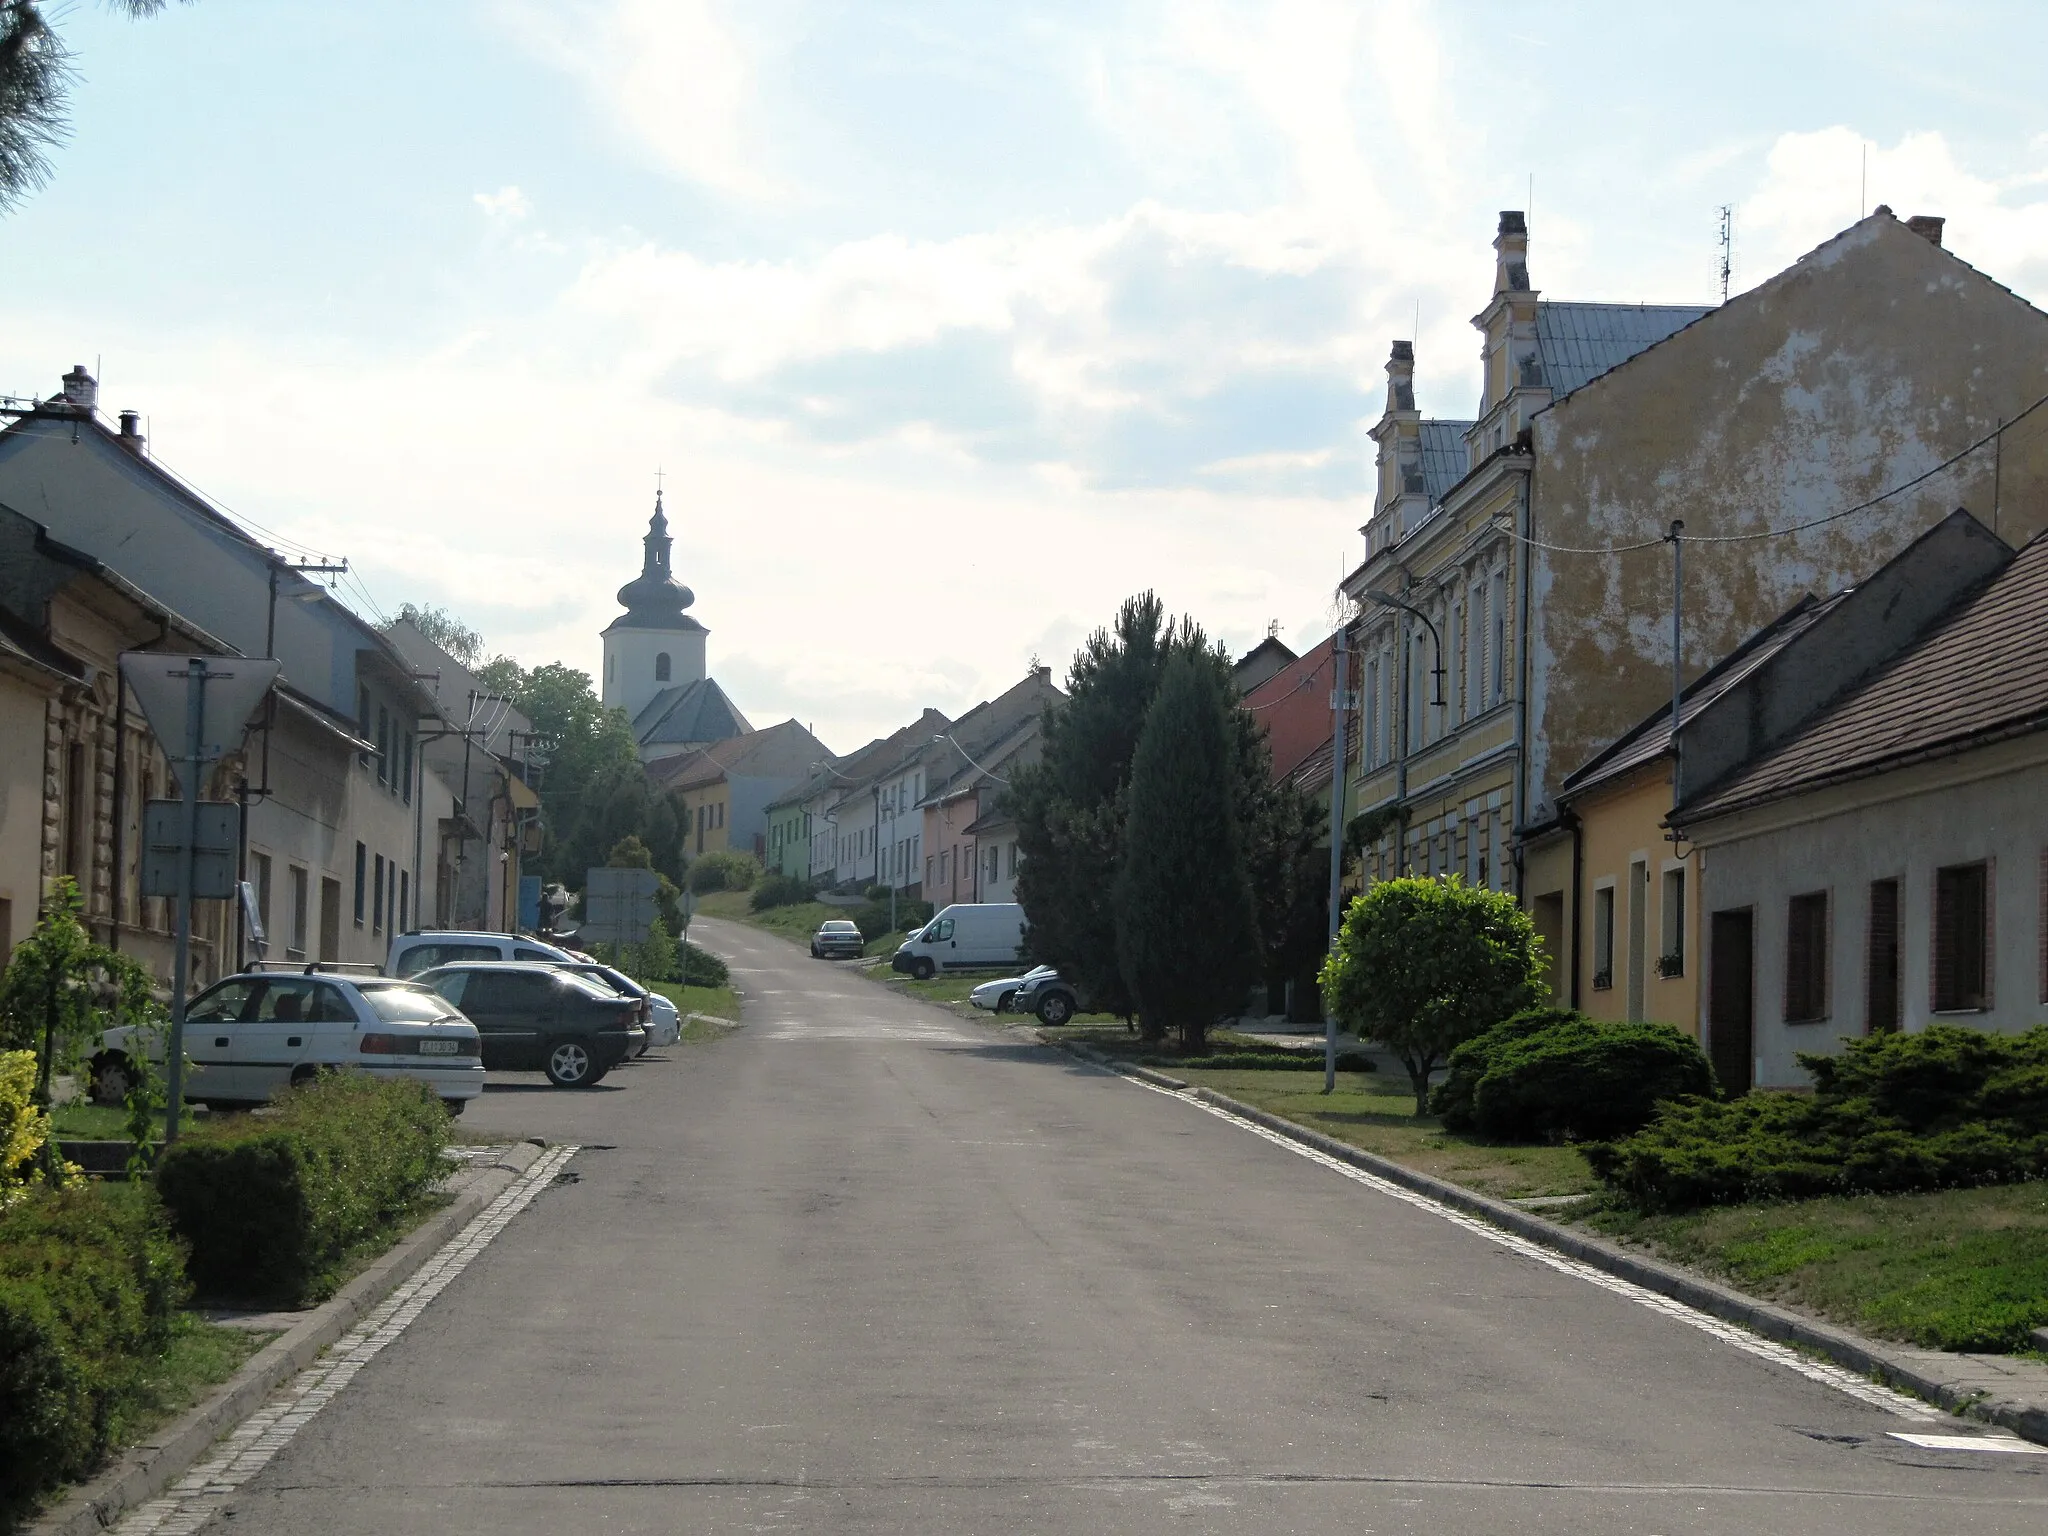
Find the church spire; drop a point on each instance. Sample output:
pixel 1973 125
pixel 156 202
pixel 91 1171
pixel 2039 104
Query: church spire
pixel 655 598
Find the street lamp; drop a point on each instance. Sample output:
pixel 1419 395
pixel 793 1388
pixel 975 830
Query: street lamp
pixel 1388 600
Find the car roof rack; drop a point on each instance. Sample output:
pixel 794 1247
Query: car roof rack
pixel 308 967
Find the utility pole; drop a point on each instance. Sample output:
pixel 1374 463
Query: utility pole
pixel 1338 702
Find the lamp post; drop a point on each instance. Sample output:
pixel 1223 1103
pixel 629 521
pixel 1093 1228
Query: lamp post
pixel 1339 654
pixel 1388 600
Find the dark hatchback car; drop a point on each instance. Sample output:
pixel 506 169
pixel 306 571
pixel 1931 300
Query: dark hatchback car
pixel 540 1018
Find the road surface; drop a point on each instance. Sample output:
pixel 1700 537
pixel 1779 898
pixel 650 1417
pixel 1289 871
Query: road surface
pixel 861 1267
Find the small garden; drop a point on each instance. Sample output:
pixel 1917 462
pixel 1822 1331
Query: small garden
pixel 99 1341
pixel 1906 1195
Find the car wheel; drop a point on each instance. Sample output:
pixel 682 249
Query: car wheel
pixel 1003 1002
pixel 303 1075
pixel 112 1077
pixel 1055 1008
pixel 455 1107
pixel 571 1064
pixel 922 969
pixel 815 953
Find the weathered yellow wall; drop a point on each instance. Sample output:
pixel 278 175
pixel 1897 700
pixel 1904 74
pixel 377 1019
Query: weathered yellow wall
pixel 1620 826
pixel 23 710
pixel 1870 361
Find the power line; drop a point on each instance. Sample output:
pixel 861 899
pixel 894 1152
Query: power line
pixel 1778 533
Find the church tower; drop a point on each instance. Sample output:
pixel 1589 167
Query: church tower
pixel 653 647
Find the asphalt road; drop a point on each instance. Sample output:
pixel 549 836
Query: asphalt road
pixel 863 1268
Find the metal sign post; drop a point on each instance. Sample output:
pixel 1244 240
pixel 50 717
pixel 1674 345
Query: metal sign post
pixel 155 680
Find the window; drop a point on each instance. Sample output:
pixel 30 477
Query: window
pixel 1881 960
pixel 1671 957
pixel 1372 713
pixel 1603 937
pixel 406 791
pixel 259 867
pixel 362 881
pixel 295 940
pixel 377 899
pixel 1454 666
pixel 1498 602
pixel 1475 653
pixel 363 722
pixel 1962 938
pixel 77 818
pixel 1013 861
pixel 399 923
pixel 383 745
pixel 661 667
pixel 927 869
pixel 1806 958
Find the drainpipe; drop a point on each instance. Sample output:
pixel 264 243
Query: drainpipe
pixel 1520 783
pixel 120 793
pixel 1401 763
pixel 1578 893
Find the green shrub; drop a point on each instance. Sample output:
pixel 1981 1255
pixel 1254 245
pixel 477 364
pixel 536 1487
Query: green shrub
pixel 23 1127
pixel 1551 1073
pixel 779 890
pixel 271 1205
pixel 1942 1109
pixel 701 968
pixel 725 870
pixel 90 1283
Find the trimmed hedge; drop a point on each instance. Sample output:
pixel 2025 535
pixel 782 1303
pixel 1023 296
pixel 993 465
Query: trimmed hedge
pixel 725 869
pixel 271 1204
pixel 90 1284
pixel 1550 1074
pixel 1944 1108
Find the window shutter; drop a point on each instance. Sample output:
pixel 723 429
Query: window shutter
pixel 1941 969
pixel 1798 962
pixel 1990 969
pixel 2042 925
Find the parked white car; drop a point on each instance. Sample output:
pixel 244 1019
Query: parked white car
pixel 250 1035
pixel 422 950
pixel 666 1025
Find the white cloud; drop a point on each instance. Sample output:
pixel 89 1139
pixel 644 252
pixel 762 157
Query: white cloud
pixel 1812 183
pixel 675 75
pixel 507 205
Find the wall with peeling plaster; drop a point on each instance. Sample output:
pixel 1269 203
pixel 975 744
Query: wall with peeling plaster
pixel 1867 363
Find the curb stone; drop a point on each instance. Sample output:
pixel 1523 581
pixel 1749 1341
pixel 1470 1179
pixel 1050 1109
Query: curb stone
pixel 1994 1389
pixel 143 1471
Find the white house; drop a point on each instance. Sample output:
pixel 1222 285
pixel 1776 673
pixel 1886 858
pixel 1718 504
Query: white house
pixel 339 808
pixel 1885 866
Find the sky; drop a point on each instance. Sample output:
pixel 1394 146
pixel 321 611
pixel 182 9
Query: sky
pixel 947 325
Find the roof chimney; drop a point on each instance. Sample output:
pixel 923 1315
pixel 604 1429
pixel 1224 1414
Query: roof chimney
pixel 1511 248
pixel 1926 226
pixel 81 389
pixel 131 432
pixel 1401 377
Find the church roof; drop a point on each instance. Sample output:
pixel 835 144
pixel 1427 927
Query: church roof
pixel 689 714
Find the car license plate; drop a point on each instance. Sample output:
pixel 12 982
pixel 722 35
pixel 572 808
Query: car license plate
pixel 440 1047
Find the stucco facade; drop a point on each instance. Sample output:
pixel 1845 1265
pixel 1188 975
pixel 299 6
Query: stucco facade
pixel 1638 953
pixel 1867 363
pixel 1988 808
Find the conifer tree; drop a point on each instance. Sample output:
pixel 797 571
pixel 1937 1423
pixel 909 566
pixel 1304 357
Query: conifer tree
pixel 1187 934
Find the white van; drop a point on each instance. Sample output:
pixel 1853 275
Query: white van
pixel 414 952
pixel 967 936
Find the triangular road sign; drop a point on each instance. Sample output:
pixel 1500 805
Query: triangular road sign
pixel 235 685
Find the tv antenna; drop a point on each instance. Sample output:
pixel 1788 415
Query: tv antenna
pixel 1727 247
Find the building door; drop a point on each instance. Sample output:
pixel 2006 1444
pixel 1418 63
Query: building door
pixel 1731 1000
pixel 330 919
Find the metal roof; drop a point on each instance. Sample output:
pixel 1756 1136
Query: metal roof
pixel 1579 342
pixel 689 712
pixel 1444 457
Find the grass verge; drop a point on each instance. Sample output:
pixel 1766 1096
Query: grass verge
pixel 80 1121
pixel 1962 1269
pixel 719 1002
pixel 1377 1115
